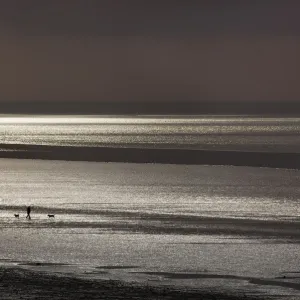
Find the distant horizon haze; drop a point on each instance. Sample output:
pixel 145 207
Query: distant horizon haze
pixel 178 107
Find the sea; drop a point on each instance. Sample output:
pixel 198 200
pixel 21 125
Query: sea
pixel 226 228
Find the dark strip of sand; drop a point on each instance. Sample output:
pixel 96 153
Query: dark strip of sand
pixel 146 155
pixel 258 281
pixel 17 284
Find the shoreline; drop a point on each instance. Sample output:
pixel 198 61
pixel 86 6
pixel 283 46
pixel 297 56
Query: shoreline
pixel 18 283
pixel 151 155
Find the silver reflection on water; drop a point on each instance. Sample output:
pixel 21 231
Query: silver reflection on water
pixel 227 132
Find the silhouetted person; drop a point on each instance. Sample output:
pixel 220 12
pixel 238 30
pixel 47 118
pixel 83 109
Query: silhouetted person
pixel 28 212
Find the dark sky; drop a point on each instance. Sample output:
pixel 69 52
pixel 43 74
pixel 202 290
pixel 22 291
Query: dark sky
pixel 114 50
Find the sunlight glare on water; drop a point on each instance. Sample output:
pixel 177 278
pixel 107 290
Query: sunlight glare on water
pixel 203 132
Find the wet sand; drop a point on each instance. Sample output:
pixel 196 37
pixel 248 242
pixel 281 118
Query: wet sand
pixel 160 223
pixel 147 155
pixel 17 284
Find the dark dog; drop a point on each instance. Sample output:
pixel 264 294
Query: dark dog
pixel 51 216
pixel 16 215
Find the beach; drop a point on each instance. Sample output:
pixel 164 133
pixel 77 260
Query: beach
pixel 179 230
pixel 179 208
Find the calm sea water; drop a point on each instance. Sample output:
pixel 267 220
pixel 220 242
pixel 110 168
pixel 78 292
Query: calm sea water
pixel 223 227
pixel 222 132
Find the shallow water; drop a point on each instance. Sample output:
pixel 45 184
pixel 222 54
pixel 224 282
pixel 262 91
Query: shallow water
pixel 83 190
pixel 227 225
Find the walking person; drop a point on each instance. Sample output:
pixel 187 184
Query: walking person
pixel 28 212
